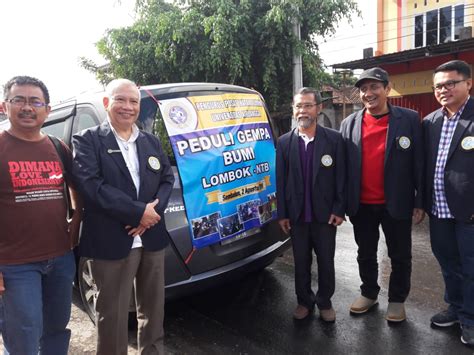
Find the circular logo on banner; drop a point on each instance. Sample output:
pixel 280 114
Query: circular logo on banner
pixel 404 142
pixel 467 143
pixel 326 160
pixel 154 163
pixel 179 116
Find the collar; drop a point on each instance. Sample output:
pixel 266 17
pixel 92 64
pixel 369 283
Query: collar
pixel 458 112
pixel 133 137
pixel 305 138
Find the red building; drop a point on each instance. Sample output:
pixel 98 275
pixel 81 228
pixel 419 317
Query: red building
pixel 413 38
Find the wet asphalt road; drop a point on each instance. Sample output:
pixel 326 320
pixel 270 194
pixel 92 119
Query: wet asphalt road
pixel 254 315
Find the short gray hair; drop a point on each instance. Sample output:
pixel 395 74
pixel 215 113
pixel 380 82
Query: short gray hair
pixel 308 90
pixel 114 84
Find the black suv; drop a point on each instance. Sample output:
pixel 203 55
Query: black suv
pixel 187 269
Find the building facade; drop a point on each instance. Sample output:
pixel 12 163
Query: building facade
pixel 413 38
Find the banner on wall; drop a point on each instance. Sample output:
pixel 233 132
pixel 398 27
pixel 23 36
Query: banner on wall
pixel 225 155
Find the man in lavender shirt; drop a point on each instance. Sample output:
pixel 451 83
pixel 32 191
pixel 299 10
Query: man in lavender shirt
pixel 311 200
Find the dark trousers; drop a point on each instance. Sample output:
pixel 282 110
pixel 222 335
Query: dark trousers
pixel 452 243
pixel 398 238
pixel 321 238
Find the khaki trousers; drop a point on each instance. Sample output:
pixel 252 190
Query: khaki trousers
pixel 115 280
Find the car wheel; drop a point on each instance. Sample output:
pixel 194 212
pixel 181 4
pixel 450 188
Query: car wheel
pixel 87 287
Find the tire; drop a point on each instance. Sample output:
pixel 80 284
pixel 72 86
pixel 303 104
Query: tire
pixel 87 287
pixel 88 290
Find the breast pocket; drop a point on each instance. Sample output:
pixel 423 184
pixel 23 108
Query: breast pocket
pixel 152 173
pixel 152 176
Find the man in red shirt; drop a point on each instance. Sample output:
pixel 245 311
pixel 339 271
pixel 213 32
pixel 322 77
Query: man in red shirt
pixel 385 160
pixel 36 260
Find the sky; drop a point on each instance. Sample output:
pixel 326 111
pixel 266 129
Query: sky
pixel 350 39
pixel 45 39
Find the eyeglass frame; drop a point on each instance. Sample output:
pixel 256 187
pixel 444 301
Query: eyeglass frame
pixel 26 101
pixel 304 106
pixel 449 85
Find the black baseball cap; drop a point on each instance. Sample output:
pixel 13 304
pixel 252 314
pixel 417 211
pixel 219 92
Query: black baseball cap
pixel 373 74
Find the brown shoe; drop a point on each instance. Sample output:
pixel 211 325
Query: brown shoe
pixel 395 312
pixel 362 305
pixel 328 315
pixel 301 312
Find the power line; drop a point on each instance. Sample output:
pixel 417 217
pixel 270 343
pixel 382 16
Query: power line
pixel 390 30
pixel 336 39
pixel 466 6
pixel 386 39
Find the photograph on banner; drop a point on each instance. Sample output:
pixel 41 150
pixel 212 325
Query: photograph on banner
pixel 225 154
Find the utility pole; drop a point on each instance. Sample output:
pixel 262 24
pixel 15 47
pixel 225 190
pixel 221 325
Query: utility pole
pixel 297 61
pixel 344 94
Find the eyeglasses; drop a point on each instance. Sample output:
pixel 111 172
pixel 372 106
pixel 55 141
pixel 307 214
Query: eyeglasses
pixel 303 106
pixel 447 85
pixel 21 101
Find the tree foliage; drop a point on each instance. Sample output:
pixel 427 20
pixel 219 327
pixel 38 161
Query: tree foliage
pixel 338 80
pixel 243 42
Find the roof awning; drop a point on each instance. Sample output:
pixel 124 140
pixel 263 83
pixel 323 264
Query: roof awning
pixel 408 55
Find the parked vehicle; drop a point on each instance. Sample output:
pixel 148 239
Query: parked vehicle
pixel 188 269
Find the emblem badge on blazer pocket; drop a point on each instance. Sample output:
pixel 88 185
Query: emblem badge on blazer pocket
pixel 467 143
pixel 326 160
pixel 404 142
pixel 154 163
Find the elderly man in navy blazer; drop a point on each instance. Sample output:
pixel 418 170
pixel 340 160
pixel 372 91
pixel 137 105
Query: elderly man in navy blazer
pixel 385 173
pixel 311 200
pixel 449 144
pixel 126 180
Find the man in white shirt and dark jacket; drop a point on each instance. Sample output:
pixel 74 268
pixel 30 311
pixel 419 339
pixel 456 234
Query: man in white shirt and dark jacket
pixel 449 197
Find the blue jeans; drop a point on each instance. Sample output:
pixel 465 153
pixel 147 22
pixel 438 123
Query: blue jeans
pixel 36 306
pixel 452 243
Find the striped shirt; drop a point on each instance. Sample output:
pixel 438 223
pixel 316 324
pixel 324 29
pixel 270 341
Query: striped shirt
pixel 440 204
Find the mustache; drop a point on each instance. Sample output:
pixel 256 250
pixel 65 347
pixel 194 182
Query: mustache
pixel 305 118
pixel 27 115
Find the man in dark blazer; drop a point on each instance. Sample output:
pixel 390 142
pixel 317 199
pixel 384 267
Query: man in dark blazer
pixel 311 199
pixel 449 197
pixel 384 187
pixel 126 180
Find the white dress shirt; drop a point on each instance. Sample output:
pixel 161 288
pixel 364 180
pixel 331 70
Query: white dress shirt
pixel 130 155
